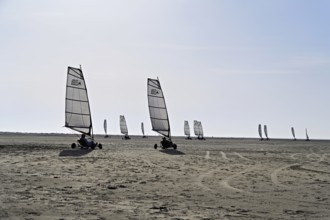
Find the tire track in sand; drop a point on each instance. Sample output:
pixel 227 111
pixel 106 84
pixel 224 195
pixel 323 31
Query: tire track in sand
pixel 225 182
pixel 241 156
pixel 223 155
pixel 274 175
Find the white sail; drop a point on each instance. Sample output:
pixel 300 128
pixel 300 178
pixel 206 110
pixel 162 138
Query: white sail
pixel 196 128
pixel 186 128
pixel 200 128
pixel 157 108
pixel 123 125
pixel 142 128
pixel 293 134
pixel 105 126
pixel 77 109
pixel 260 131
pixel 265 131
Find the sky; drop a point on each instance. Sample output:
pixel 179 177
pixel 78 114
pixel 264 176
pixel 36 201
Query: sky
pixel 230 64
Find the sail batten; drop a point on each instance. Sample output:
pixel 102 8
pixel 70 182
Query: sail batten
pixel 77 109
pixel 157 108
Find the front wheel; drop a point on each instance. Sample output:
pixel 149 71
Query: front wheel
pixel 174 146
pixel 155 146
pixel 100 146
pixel 73 145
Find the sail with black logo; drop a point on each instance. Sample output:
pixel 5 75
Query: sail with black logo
pixel 77 110
pixel 158 113
pixel 123 127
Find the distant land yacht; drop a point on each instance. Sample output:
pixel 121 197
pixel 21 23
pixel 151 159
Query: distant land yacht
pixel 105 126
pixel 187 130
pixel 158 113
pixel 266 132
pixel 307 137
pixel 260 132
pixel 142 129
pixel 123 127
pixel 198 130
pixel 293 133
pixel 77 110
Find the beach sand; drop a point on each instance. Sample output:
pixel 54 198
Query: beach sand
pixel 42 178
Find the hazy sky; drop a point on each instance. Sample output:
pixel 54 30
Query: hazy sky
pixel 231 64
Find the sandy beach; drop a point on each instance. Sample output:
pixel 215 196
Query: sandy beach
pixel 42 178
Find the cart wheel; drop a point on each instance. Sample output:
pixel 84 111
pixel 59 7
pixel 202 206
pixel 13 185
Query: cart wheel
pixel 174 146
pixel 92 147
pixel 100 146
pixel 73 145
pixel 155 146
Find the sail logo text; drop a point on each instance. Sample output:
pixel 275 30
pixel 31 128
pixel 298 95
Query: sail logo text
pixel 154 92
pixel 75 82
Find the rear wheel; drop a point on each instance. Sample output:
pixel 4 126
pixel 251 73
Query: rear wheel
pixel 174 146
pixel 73 145
pixel 155 146
pixel 93 147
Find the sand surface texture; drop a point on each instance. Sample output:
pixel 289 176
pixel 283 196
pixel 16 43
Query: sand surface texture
pixel 42 178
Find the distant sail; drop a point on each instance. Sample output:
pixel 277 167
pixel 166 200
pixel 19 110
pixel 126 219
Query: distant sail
pixel 157 108
pixel 265 131
pixel 196 128
pixel 77 109
pixel 123 125
pixel 307 137
pixel 142 128
pixel 260 131
pixel 186 128
pixel 200 128
pixel 293 134
pixel 105 126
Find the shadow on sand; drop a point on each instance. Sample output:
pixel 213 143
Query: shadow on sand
pixel 172 152
pixel 74 153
